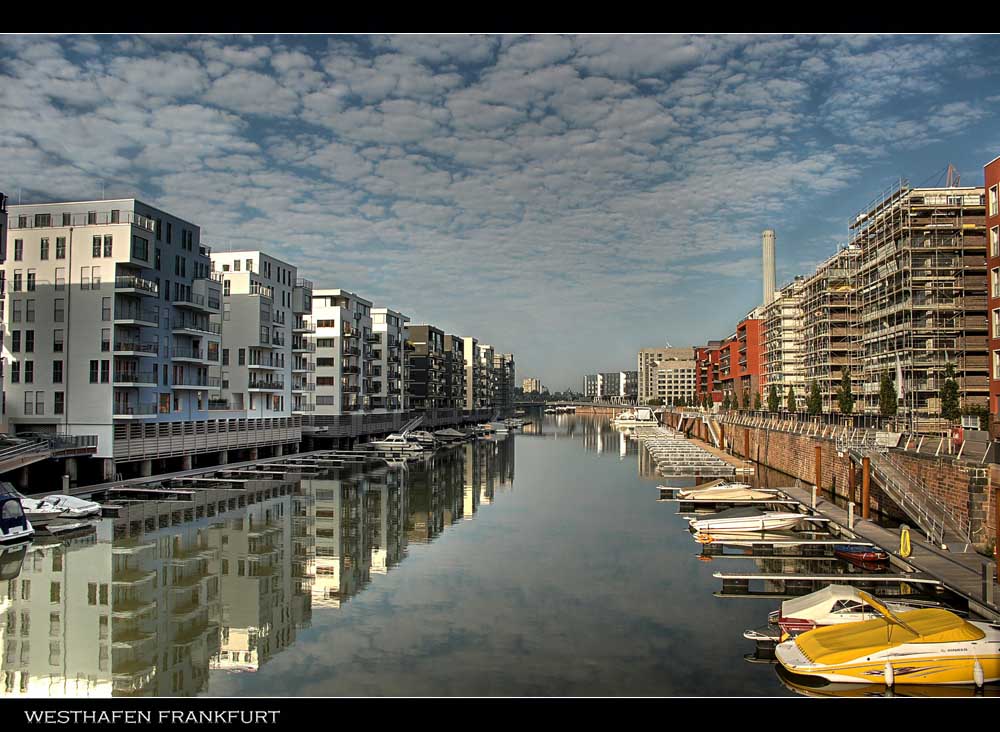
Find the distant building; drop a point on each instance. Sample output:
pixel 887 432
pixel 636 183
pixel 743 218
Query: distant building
pixel 618 387
pixel 649 360
pixel 531 386
pixel 992 177
pixel 781 343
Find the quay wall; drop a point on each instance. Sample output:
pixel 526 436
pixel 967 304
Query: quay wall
pixel 965 487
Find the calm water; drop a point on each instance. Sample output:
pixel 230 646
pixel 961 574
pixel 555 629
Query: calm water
pixel 460 576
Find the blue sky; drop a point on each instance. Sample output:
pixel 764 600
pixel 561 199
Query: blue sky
pixel 571 199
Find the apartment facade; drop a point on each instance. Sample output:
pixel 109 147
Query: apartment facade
pixel 489 378
pixel 256 322
pixel 344 336
pixel 426 361
pixel 454 374
pixel 991 175
pixel 531 386
pixel 3 358
pixel 503 365
pixel 921 299
pixel 782 343
pixel 108 326
pixel 649 360
pixel 707 379
pixel 475 397
pixel 388 360
pixel 831 332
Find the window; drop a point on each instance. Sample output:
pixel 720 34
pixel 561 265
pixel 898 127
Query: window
pixel 29 311
pixel 93 372
pixel 105 372
pixel 44 248
pixel 995 241
pixel 242 357
pixel 159 229
pixel 236 265
pixel 225 356
pixel 249 265
pixel 60 247
pixel 105 308
pixel 60 278
pixel 115 213
pixel 59 310
pixel 29 373
pixel 97 246
pixel 39 402
pixel 57 340
pixel 15 373
pixel 170 232
pixel 59 406
pixel 105 339
pixel 18 250
pixel 994 204
pixel 92 593
pixel 157 258
pixel 84 278
pixel 226 288
pixel 57 372
pixel 17 280
pixel 29 341
pixel 108 243
pixel 31 280
pixel 91 218
pixel 140 247
pixel 15 341
pixel 43 220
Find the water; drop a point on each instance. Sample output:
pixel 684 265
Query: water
pixel 454 577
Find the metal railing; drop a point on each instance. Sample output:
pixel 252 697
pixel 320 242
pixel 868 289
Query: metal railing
pixel 137 346
pixel 136 377
pixel 136 283
pixel 194 380
pixel 130 410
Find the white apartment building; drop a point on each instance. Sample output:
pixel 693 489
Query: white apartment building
pixel 675 381
pixel 344 336
pixel 473 374
pixel 783 341
pixel 106 310
pixel 257 320
pixel 388 361
pixel 649 360
pixel 488 377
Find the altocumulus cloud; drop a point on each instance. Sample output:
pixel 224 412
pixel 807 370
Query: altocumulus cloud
pixel 567 198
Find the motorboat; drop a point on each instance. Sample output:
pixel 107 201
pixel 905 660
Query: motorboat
pixel 551 410
pixel 816 687
pixel 450 435
pixel 832 605
pixel 635 418
pixel 422 437
pixel 747 519
pixel 39 512
pixel 14 524
pixel 397 443
pixel 723 489
pixel 862 555
pixel 499 427
pixel 925 646
pixel 72 506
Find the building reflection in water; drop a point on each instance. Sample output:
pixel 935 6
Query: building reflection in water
pixel 151 602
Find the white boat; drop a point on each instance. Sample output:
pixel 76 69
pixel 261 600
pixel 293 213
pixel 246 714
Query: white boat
pixel 551 410
pixel 833 605
pixel 635 418
pixel 40 513
pixel 718 487
pixel 926 646
pixel 72 506
pixel 424 438
pixel 747 519
pixel 397 443
pixel 14 525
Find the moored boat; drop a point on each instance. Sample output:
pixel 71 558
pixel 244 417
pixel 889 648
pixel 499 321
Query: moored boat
pixel 925 646
pixel 747 519
pixel 397 443
pixel 72 506
pixel 14 524
pixel 860 555
pixel 635 417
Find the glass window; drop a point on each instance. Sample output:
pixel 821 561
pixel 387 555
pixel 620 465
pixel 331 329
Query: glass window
pixel 15 341
pixel 29 372
pixel 97 246
pixel 44 248
pixel 57 340
pixel 105 372
pixel 93 372
pixel 60 247
pixel 60 403
pixel 29 341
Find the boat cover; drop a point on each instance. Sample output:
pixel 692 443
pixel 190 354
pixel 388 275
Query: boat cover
pixel 833 645
pixel 743 512
pixel 730 494
pixel 821 602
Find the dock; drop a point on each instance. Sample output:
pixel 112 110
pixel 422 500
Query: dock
pixel 676 455
pixel 965 574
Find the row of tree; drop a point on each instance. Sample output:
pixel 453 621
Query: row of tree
pixel 888 402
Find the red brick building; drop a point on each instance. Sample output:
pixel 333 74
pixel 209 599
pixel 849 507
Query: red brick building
pixel 991 173
pixel 707 371
pixel 741 361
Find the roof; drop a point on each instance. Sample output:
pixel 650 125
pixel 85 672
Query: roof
pixel 836 644
pixel 7 490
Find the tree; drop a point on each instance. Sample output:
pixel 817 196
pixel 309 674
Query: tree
pixel 790 404
pixel 949 395
pixel 746 400
pixel 654 402
pixel 772 399
pixel 814 404
pixel 887 396
pixel 756 401
pixel 845 399
pixel 725 402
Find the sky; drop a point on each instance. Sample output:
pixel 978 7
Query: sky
pixel 570 199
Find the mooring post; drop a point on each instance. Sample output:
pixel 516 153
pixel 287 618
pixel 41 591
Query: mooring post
pixel 852 480
pixel 850 514
pixel 866 479
pixel 819 467
pixel 815 490
pixel 65 484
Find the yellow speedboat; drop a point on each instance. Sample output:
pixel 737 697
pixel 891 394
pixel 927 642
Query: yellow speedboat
pixel 926 646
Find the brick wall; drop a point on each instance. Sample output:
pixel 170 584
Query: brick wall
pixel 966 488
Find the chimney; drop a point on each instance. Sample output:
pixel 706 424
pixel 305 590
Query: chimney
pixel 768 259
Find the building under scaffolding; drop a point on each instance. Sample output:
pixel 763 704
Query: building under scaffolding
pixel 920 285
pixel 781 334
pixel 830 326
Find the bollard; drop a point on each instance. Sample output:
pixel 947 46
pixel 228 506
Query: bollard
pixel 850 515
pixel 65 484
pixel 815 490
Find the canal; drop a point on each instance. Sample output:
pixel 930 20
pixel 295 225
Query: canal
pixel 457 576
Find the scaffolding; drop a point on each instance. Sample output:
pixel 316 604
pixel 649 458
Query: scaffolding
pixel 920 284
pixel 781 343
pixel 830 326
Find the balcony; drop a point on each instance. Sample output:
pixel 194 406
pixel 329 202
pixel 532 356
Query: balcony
pixel 352 352
pixel 373 338
pixel 300 346
pixel 182 326
pixel 136 348
pixel 307 386
pixel 265 364
pixel 304 284
pixel 255 384
pixel 278 339
pixel 194 381
pixel 351 370
pixel 303 367
pixel 132 285
pixel 192 301
pixel 136 316
pixel 262 290
pixel 302 327
pixel 60 220
pixel 185 353
pixel 304 408
pixel 135 378
pixel 134 411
